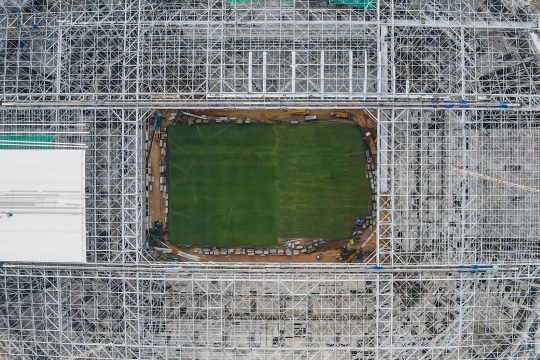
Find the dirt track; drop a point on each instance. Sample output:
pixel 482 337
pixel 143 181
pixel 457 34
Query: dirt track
pixel 282 116
pixel 327 250
pixel 157 211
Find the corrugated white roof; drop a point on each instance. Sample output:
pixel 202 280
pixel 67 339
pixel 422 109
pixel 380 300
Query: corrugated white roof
pixel 42 208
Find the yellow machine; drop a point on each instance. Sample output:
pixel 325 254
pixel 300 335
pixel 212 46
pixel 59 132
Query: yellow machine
pixel 298 112
pixel 339 114
pixel 343 254
pixel 354 255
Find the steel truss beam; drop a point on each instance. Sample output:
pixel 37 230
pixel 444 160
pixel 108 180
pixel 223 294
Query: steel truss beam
pixel 191 311
pixel 91 72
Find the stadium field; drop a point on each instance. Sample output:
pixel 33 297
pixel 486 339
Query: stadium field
pixel 232 185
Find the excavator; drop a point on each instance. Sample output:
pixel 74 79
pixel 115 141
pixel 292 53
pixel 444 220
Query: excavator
pixel 343 253
pixel 355 255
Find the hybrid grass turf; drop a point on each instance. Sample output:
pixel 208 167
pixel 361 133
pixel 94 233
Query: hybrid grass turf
pixel 233 185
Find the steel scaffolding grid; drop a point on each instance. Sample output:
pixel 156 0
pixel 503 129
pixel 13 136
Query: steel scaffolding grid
pixel 194 311
pixel 454 88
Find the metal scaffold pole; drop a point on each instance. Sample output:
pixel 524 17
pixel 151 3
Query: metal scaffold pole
pixel 454 89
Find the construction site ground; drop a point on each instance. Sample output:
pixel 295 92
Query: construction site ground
pixel 327 251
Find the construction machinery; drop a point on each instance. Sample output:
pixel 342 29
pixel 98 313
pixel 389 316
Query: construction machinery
pixel 499 181
pixel 158 228
pixel 298 112
pixel 343 253
pixel 157 123
pixel 340 114
pixel 370 141
pixel 358 253
pixel 155 236
pixel 153 239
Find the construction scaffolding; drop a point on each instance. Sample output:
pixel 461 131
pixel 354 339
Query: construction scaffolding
pixel 454 88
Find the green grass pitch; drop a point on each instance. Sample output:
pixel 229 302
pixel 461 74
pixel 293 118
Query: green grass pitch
pixel 232 185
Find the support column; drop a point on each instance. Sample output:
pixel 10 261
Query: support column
pixel 293 72
pixel 322 74
pixel 382 78
pixel 250 72
pixel 365 72
pixel 264 74
pixel 350 73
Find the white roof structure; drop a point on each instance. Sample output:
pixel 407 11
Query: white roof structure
pixel 42 217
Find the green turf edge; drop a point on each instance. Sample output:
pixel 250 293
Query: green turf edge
pixel 173 229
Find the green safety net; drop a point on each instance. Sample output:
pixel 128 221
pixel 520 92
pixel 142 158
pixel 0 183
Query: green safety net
pixel 26 141
pixel 357 4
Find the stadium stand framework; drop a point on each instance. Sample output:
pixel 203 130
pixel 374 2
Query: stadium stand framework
pixel 453 86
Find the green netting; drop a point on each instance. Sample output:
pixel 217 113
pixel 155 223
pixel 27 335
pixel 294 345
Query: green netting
pixel 358 4
pixel 26 141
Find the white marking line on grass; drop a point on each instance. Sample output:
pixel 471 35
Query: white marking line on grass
pixel 195 197
pixel 229 218
pixel 187 172
pixel 170 162
pixel 219 132
pixel 358 153
pixel 199 131
pixel 174 144
pixel 176 212
pixel 226 152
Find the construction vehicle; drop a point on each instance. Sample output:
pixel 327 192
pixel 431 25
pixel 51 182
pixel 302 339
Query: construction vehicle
pixel 298 112
pixel 155 236
pixel 158 228
pixel 153 239
pixel 157 123
pixel 343 253
pixel 340 114
pixel 357 254
pixel 371 140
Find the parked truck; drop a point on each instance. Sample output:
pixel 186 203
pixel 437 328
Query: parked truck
pixel 157 123
pixel 341 114
pixel 370 140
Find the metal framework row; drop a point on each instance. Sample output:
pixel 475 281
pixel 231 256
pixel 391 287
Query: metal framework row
pixel 270 54
pixel 208 312
pixel 453 86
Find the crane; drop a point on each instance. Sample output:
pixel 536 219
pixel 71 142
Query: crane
pixel 499 181
pixel 298 112
pixel 174 250
pixel 202 117
pixel 354 255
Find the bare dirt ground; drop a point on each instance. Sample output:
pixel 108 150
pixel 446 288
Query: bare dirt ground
pixel 282 116
pixel 327 250
pixel 157 211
